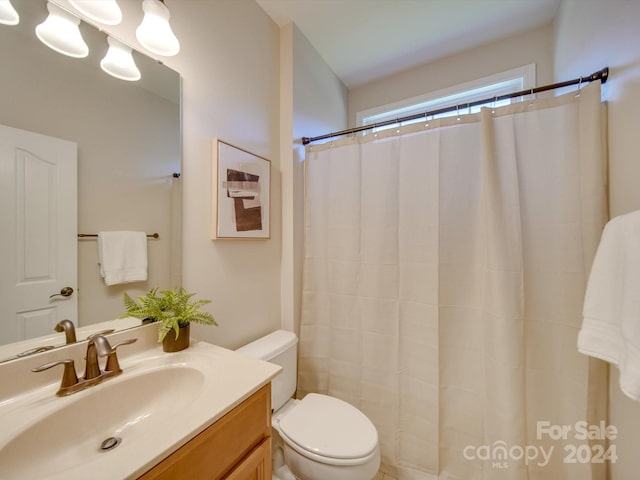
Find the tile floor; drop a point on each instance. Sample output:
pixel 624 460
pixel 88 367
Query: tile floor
pixel 384 476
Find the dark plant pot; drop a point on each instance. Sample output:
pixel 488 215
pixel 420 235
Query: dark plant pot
pixel 172 344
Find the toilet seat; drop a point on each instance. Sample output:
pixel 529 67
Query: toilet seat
pixel 329 430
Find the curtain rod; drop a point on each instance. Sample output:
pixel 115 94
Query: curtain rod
pixel 601 75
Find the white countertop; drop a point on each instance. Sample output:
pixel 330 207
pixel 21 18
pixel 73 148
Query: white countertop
pixel 227 379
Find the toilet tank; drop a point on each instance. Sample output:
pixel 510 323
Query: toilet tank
pixel 278 347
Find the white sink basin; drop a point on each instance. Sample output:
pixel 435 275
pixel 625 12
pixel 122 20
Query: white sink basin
pixel 158 403
pixel 73 434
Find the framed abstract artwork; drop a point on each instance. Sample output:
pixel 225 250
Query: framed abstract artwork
pixel 241 188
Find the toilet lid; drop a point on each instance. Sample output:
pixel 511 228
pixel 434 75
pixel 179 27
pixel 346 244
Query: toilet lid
pixel 330 427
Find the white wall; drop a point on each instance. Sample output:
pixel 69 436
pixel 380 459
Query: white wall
pixel 313 102
pixel 230 69
pixel 590 35
pixel 229 63
pixel 533 46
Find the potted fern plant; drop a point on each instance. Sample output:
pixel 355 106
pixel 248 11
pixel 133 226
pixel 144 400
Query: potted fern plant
pixel 174 310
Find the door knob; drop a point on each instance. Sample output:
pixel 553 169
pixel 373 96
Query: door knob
pixel 65 292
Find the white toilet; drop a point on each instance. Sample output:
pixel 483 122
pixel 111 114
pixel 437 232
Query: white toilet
pixel 323 437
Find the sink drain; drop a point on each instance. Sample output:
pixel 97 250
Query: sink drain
pixel 110 443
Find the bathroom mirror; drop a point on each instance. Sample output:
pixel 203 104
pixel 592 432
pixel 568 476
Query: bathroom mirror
pixel 129 149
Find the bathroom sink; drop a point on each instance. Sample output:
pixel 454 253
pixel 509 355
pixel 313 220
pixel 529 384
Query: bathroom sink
pixel 119 410
pixel 156 405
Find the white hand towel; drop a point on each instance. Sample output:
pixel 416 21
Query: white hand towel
pixel 611 326
pixel 123 256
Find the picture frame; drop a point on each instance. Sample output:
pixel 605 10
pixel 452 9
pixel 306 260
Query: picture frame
pixel 240 193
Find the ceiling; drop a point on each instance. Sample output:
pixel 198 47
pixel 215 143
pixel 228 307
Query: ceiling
pixel 363 40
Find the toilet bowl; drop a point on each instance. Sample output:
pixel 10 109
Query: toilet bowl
pixel 322 437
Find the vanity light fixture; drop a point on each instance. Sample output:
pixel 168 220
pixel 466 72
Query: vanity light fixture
pixel 119 63
pixel 154 33
pixel 60 32
pixel 8 14
pixel 104 11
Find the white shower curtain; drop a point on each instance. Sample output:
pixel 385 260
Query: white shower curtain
pixel 444 274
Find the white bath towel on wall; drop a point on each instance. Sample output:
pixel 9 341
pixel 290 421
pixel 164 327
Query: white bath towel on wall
pixel 611 326
pixel 123 256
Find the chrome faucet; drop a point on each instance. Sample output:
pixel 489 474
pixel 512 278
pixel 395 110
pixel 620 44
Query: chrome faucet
pixel 69 330
pixel 97 346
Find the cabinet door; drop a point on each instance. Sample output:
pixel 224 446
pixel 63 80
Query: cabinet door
pixel 256 466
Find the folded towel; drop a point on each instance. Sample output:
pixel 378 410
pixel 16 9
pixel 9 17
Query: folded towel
pixel 123 256
pixel 611 326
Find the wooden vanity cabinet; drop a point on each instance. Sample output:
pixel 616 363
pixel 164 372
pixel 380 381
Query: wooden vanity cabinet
pixel 236 447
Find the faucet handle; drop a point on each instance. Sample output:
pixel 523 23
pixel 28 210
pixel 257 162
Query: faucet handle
pixel 35 350
pixel 112 359
pixel 101 332
pixel 69 377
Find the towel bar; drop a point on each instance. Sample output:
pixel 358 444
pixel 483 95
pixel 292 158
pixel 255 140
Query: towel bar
pixel 95 235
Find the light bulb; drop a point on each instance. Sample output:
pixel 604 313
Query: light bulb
pixel 154 33
pixel 60 32
pixel 102 11
pixel 119 63
pixel 8 14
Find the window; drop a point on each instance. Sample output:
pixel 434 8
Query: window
pixel 515 80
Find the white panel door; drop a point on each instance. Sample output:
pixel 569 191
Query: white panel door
pixel 38 234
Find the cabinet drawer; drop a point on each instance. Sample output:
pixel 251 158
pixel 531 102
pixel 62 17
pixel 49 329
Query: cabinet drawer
pixel 217 450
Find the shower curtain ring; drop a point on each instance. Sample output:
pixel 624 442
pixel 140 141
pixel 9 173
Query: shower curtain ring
pixel 458 112
pixel 579 87
pixel 493 109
